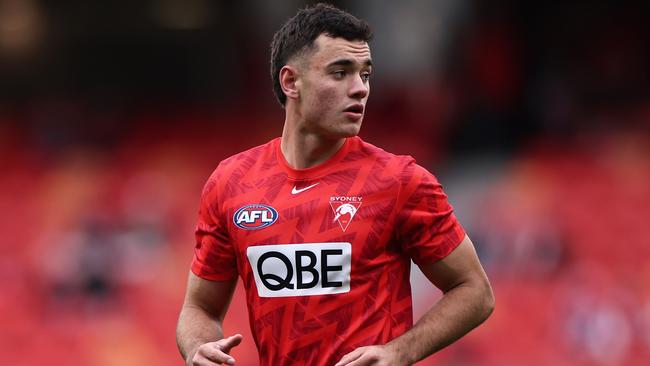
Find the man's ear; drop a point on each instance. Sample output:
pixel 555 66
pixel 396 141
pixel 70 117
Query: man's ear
pixel 289 82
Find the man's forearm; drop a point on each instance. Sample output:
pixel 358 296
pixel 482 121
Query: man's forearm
pixel 460 310
pixel 196 327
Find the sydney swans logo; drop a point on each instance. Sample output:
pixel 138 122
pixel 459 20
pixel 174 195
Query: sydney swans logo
pixel 345 208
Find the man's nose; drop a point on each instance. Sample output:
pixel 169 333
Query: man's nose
pixel 359 89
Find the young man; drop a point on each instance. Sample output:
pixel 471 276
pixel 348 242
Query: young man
pixel 322 226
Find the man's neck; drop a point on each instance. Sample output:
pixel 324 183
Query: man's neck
pixel 304 150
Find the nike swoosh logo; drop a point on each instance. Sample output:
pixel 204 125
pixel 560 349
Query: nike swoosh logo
pixel 296 191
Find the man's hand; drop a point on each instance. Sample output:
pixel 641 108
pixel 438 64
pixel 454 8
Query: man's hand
pixel 372 356
pixel 215 353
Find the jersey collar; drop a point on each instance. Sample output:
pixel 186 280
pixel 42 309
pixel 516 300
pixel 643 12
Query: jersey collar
pixel 315 171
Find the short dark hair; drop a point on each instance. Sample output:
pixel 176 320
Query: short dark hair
pixel 298 34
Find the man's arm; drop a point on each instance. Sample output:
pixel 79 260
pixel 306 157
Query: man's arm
pixel 198 334
pixel 466 302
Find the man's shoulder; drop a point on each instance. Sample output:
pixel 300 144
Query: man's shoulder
pixel 252 154
pixel 404 168
pixel 384 158
pixel 243 161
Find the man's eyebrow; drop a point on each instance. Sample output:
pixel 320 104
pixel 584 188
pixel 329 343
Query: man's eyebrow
pixel 348 62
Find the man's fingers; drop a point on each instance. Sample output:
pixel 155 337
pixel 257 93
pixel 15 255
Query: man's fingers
pixel 217 352
pixel 227 343
pixel 216 355
pixel 364 360
pixel 350 357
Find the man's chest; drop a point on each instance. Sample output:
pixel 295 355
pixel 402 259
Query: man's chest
pixel 280 210
pixel 307 237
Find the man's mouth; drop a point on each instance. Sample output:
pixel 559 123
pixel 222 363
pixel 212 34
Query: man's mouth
pixel 355 108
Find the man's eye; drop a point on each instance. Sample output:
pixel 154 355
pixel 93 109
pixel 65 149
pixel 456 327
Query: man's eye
pixel 339 74
pixel 365 77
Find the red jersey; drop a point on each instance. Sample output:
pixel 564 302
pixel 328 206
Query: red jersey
pixel 324 253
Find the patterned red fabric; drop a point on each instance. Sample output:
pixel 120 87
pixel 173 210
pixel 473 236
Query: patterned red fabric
pixel 396 212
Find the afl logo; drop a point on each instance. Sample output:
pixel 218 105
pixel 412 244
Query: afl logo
pixel 254 217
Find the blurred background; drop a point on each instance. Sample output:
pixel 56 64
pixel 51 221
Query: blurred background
pixel 535 116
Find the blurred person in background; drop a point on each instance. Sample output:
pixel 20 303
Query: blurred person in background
pixel 322 226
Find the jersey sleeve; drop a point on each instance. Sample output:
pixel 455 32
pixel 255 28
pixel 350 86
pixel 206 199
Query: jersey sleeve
pixel 427 228
pixel 214 255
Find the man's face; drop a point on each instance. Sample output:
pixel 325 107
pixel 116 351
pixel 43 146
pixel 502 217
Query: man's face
pixel 334 87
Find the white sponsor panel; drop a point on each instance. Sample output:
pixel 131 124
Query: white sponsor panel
pixel 308 269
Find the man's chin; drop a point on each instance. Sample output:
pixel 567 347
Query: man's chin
pixel 351 129
pixel 348 133
pixel 343 130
